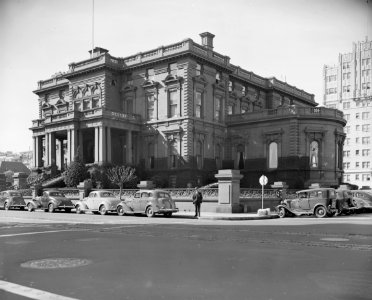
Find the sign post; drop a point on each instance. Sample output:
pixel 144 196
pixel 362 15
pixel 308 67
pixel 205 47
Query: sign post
pixel 263 182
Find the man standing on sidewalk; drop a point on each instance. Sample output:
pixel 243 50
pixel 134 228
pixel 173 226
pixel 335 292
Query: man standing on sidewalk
pixel 197 199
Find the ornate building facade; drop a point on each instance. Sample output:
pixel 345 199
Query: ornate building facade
pixel 182 112
pixel 348 87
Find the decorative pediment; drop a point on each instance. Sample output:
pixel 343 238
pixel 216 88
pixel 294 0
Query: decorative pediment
pixel 87 90
pixel 173 132
pixel 172 79
pixel 46 105
pixel 200 79
pixel 219 86
pixel 315 133
pixel 128 88
pixel 148 84
pixel 61 102
pixel 273 135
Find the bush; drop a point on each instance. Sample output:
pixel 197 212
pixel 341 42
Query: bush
pixel 75 173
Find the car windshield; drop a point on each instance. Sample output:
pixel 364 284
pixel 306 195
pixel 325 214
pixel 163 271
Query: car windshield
pixel 59 194
pixel 15 194
pixel 107 194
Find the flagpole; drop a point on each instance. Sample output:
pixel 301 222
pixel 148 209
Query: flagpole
pixel 92 27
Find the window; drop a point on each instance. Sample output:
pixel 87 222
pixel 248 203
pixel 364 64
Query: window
pixel 347 129
pixel 346 105
pixel 365 115
pixel 230 109
pixel 365 127
pixel 356 152
pixel 347 141
pixel 273 155
pixel 199 155
pixel 95 102
pixel 129 79
pixel 218 156
pixel 150 74
pixel 356 176
pixel 314 148
pixel 365 140
pixel 357 140
pixel 365 152
pixel 150 106
pixel 357 164
pixel 151 155
pixel 218 109
pixel 346 153
pixel 365 164
pixel 231 86
pixel 218 77
pixel 173 104
pixel 357 127
pixel 346 165
pixel 244 90
pixel 198 104
pixel 347 117
pixel 86 104
pixel 172 69
pixel 365 177
pixel 357 115
pixel 198 69
pixel 240 154
pixel 173 154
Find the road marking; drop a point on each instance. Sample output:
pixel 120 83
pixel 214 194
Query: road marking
pixel 36 232
pixel 30 292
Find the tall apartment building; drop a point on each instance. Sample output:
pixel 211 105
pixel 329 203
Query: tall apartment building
pixel 348 87
pixel 183 112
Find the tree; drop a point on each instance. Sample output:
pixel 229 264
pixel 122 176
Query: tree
pixel 75 172
pixel 121 174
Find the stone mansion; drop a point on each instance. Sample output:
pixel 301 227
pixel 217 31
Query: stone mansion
pixel 183 112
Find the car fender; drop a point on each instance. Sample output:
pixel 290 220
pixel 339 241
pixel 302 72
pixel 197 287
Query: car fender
pixel 322 204
pixel 126 207
pixel 34 204
pixel 83 206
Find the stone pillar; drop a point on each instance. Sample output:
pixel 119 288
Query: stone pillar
pixel 53 149
pixel 47 149
pixel 37 148
pixel 102 144
pixel 81 144
pixel 229 191
pixel 109 153
pixel 96 144
pixel 71 144
pixel 129 147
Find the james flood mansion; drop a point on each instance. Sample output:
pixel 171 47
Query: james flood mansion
pixel 183 112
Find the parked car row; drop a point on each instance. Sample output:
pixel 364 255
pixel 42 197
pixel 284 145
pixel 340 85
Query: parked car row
pixel 149 202
pixel 324 202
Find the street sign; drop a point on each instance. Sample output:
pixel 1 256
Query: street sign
pixel 263 180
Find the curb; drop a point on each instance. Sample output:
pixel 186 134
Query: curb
pixel 228 218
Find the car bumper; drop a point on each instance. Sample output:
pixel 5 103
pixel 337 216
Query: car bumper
pixel 66 206
pixel 167 210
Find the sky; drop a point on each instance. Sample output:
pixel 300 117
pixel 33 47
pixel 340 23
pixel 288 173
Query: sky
pixel 289 39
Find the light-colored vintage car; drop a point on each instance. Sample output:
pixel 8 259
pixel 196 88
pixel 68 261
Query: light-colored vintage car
pixel 11 199
pixel 98 202
pixel 149 202
pixel 362 199
pixel 320 202
pixel 51 201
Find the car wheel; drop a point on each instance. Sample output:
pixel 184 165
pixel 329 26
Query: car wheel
pixel 281 212
pixel 150 212
pixel 6 206
pixel 78 209
pixel 168 214
pixel 51 208
pixel 120 211
pixel 320 212
pixel 102 210
pixel 354 203
pixel 29 207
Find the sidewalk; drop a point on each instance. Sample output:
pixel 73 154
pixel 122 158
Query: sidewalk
pixel 224 216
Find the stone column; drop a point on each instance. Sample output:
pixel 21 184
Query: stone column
pixel 96 144
pixel 53 149
pixel 71 144
pixel 81 144
pixel 109 153
pixel 129 147
pixel 47 149
pixel 102 144
pixel 229 191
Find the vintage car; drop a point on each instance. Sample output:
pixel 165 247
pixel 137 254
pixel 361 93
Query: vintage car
pixel 98 202
pixel 344 202
pixel 12 199
pixel 362 199
pixel 51 201
pixel 149 202
pixel 320 202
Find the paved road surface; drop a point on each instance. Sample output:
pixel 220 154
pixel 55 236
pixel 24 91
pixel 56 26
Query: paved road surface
pixel 179 258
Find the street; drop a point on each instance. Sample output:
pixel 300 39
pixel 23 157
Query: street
pixel 69 256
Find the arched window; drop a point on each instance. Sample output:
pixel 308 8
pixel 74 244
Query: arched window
pixel 199 155
pixel 314 149
pixel 151 155
pixel 273 155
pixel 240 156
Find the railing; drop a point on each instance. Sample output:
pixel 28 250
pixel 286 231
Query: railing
pixel 286 111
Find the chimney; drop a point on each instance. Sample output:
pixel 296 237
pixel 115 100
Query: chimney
pixel 207 40
pixel 97 51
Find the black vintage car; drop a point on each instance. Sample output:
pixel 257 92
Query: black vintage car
pixel 11 199
pixel 320 202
